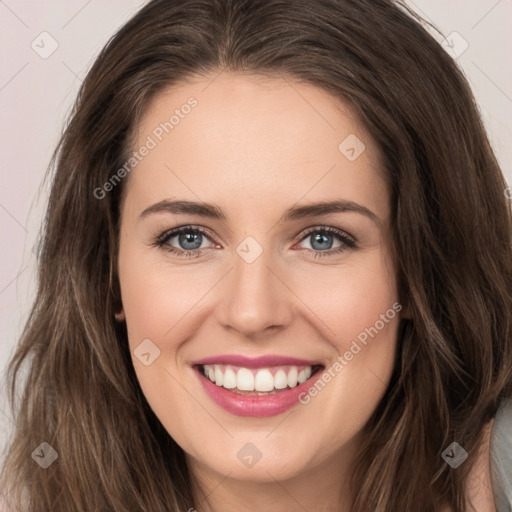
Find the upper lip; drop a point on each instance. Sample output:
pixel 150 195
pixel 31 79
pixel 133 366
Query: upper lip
pixel 256 362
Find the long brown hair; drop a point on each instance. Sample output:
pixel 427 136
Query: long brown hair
pixel 451 228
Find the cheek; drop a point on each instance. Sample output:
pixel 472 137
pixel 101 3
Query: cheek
pixel 338 305
pixel 155 298
pixel 156 302
pixel 358 313
pixel 350 299
pixel 343 303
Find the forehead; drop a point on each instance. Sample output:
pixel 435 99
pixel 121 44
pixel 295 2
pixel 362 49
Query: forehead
pixel 236 137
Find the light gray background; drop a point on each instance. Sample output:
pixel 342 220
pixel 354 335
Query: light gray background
pixel 36 95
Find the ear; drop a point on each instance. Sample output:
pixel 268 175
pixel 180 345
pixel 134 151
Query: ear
pixel 120 316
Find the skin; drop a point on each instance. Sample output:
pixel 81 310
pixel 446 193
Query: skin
pixel 255 147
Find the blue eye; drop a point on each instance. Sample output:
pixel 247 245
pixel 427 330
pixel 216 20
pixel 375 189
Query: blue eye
pixel 321 241
pixel 190 239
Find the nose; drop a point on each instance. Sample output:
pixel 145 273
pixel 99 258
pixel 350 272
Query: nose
pixel 255 299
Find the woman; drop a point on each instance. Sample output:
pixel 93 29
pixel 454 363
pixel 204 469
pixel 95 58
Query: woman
pixel 194 346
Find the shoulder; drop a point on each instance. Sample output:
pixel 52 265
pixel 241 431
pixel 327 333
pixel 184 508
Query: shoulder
pixel 479 489
pixel 501 457
pixel 489 485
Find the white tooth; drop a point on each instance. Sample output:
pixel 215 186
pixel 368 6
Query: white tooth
pixel 229 379
pixel 302 376
pixel 245 380
pixel 308 372
pixel 218 376
pixel 211 373
pixel 205 370
pixel 264 380
pixel 280 381
pixel 292 377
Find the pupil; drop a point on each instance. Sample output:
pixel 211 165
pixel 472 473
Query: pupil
pixel 321 237
pixel 189 238
pixel 319 241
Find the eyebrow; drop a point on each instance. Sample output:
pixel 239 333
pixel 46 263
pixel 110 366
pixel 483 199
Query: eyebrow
pixel 294 213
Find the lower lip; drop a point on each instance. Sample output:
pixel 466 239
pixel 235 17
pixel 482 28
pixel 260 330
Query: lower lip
pixel 252 405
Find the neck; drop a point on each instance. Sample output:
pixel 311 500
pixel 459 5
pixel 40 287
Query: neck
pixel 323 488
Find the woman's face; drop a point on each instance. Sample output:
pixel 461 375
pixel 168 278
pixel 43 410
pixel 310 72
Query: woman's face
pixel 272 289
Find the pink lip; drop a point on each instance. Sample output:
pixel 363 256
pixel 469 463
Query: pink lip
pixel 256 362
pixel 253 405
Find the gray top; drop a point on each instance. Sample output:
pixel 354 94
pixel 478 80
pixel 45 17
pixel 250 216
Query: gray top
pixel 501 458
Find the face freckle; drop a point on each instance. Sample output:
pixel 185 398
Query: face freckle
pixel 258 228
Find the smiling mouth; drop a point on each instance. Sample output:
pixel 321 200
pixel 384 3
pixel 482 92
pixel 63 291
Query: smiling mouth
pixel 258 381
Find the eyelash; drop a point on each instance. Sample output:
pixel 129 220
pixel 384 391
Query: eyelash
pixel 162 239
